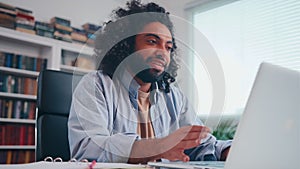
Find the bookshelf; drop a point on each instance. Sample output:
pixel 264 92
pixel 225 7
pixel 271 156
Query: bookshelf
pixel 17 132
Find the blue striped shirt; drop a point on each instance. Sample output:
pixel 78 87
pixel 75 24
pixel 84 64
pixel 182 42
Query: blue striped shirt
pixel 103 119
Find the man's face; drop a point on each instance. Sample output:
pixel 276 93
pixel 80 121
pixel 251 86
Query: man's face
pixel 153 47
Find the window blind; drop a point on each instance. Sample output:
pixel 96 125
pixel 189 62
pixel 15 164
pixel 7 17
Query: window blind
pixel 244 33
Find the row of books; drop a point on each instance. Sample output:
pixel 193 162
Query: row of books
pixel 17 109
pixel 24 21
pixel 64 31
pixel 13 134
pixel 18 84
pixel 16 156
pixel 17 18
pixel 22 62
pixel 58 28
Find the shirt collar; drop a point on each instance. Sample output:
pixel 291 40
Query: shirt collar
pixel 131 85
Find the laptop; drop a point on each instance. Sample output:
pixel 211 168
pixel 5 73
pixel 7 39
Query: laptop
pixel 268 134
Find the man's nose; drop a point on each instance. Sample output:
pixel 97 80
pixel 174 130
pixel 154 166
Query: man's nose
pixel 162 54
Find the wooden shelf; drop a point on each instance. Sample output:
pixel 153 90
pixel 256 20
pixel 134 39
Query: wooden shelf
pixel 18 96
pixel 75 70
pixel 77 48
pixel 20 72
pixel 17 147
pixel 23 121
pixel 25 37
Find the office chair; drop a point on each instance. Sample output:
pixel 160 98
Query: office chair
pixel 53 104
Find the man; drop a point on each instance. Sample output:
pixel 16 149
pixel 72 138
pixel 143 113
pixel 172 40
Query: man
pixel 129 111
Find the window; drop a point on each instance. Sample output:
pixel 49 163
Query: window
pixel 243 34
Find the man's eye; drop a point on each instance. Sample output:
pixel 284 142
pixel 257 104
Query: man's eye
pixel 151 41
pixel 169 48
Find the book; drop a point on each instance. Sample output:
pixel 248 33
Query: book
pixel 22 10
pixel 25 110
pixel 21 157
pixel 9 157
pixel 9 84
pixel 7 21
pixel 29 63
pixel 8 59
pixel 2 58
pixel 67 29
pixel 78 37
pixel 30 135
pixel 61 21
pixel 17 109
pixel 79 31
pixel 25 30
pixel 24 25
pixel 25 16
pixel 44 26
pixel 7 6
pixel 32 107
pixel 2 82
pixel 8 12
pixel 22 135
pixel 2 134
pixel 91 28
pixel 24 21
pixel 64 32
pixel 64 37
pixel 27 157
pixel 44 33
pixel 14 61
pixel 7 15
pixel 16 85
pixel 3 111
pixel 10 109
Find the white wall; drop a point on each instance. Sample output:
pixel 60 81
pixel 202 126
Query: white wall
pixel 98 11
pixel 82 11
pixel 79 12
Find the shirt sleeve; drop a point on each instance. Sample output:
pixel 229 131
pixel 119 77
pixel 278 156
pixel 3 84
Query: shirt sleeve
pixel 209 150
pixel 90 125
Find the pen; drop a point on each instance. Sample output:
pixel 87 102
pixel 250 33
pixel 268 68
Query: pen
pixel 91 166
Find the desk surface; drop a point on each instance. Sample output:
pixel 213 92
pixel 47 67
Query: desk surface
pixel 70 165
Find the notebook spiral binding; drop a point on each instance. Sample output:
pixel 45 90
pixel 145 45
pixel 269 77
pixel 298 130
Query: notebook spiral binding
pixel 58 159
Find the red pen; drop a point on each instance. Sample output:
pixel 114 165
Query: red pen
pixel 91 166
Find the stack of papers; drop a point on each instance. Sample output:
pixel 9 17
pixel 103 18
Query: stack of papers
pixel 190 164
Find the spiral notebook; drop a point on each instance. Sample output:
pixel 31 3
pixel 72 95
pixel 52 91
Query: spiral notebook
pixel 57 163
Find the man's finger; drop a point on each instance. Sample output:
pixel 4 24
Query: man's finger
pixel 186 144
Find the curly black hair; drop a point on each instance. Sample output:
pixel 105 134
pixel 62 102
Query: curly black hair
pixel 116 41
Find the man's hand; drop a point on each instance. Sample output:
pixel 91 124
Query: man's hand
pixel 170 147
pixel 173 146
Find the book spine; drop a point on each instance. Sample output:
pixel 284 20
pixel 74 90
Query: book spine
pixel 8 59
pixel 9 157
pixel 2 59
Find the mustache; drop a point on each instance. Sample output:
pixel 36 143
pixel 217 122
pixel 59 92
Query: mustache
pixel 158 58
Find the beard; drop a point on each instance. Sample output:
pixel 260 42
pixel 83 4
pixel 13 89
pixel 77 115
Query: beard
pixel 149 75
pixel 142 70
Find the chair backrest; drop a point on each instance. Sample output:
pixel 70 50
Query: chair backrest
pixel 53 104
